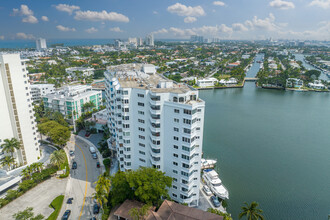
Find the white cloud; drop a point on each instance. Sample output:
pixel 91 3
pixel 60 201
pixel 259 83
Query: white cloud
pixel 183 10
pixel 284 5
pixel 321 3
pixel 204 30
pixel 239 27
pixel 44 18
pixel 65 29
pixel 155 12
pixel 189 19
pixel 91 30
pixel 26 13
pixel 67 8
pixel 219 3
pixel 265 24
pixel 2 37
pixel 161 31
pixel 24 36
pixel 116 29
pixel 100 16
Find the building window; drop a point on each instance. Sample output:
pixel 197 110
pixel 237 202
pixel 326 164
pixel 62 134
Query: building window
pixel 176 129
pixel 185 148
pixel 184 173
pixel 176 120
pixel 184 165
pixel 142 145
pixel 140 159
pixel 184 139
pixel 140 112
pixel 175 179
pixel 141 121
pixel 186 111
pixel 140 95
pixel 174 186
pixel 173 194
pixel 141 152
pixel 175 171
pixel 141 129
pixel 175 155
pixel 175 138
pixel 176 111
pixel 187 121
pixel 140 104
pixel 186 130
pixel 125 125
pixel 175 163
pixel 142 137
pixel 185 157
pixel 175 147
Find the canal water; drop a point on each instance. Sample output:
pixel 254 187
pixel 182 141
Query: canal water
pixel 272 147
pixel 301 57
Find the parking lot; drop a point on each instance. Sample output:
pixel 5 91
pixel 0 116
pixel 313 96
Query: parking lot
pixel 205 202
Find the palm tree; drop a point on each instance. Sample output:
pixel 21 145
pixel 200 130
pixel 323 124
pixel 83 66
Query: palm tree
pixel 251 211
pixel 26 172
pixel 10 146
pixel 7 161
pixel 102 189
pixel 57 158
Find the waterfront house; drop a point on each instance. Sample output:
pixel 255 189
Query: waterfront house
pixel 207 82
pixel 229 82
pixel 294 83
pixel 317 84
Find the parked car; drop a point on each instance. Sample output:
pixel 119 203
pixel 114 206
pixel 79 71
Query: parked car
pixel 71 153
pixel 69 201
pixel 98 164
pixel 94 155
pixel 215 201
pixel 87 134
pixel 74 165
pixel 95 209
pixel 66 214
pixel 92 150
pixel 207 190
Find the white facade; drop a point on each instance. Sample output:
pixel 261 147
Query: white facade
pixel 41 44
pixel 85 71
pixel 230 81
pixel 206 82
pixel 16 111
pixel 40 90
pixel 72 98
pixel 150 40
pixel 317 84
pixel 155 122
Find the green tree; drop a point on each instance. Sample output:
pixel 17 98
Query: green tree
pixel 149 184
pixel 57 158
pixel 26 185
pixel 7 161
pixel 27 214
pixel 102 189
pixel 120 190
pixel 10 146
pixel 251 211
pixel 139 213
pixel 59 134
pixel 226 216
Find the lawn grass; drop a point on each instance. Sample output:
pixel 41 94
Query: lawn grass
pixel 56 205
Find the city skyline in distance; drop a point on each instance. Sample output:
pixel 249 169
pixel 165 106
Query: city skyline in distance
pixel 237 20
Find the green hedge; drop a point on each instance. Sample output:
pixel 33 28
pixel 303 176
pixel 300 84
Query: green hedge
pixel 27 184
pixel 56 205
pixel 67 168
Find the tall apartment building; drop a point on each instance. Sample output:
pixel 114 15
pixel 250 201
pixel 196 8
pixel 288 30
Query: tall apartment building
pixel 150 40
pixel 40 90
pixel 156 122
pixel 16 111
pixel 72 98
pixel 41 44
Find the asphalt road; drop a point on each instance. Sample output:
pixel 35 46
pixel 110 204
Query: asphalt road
pixel 81 185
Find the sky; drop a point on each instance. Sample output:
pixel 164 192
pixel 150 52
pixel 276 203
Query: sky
pixel 166 19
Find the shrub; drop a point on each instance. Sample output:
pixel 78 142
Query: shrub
pixel 11 194
pixel 106 153
pixel 56 205
pixel 3 202
pixel 26 185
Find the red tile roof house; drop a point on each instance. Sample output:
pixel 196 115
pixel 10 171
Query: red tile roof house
pixel 167 211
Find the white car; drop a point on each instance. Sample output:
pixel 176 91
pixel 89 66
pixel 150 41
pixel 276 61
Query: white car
pixel 207 190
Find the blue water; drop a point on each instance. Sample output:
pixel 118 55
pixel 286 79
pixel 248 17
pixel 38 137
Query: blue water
pixel 252 72
pixel 301 57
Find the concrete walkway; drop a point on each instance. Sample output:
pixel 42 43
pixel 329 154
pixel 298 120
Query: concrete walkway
pixel 39 198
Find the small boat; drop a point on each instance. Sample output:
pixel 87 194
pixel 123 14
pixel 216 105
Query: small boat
pixel 205 164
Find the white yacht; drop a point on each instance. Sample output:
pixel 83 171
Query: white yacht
pixel 212 179
pixel 208 163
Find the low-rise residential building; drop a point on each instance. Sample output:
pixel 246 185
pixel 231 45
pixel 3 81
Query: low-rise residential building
pixel 230 81
pixel 206 82
pixel 317 84
pixel 294 83
pixel 86 71
pixel 71 99
pixel 100 119
pixel 40 90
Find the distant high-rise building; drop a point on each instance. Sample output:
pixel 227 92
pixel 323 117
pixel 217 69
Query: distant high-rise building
pixel 16 111
pixel 150 40
pixel 197 39
pixel 139 41
pixel 132 40
pixel 41 44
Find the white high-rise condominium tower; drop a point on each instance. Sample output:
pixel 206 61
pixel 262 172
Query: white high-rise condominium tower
pixel 16 111
pixel 150 40
pixel 41 44
pixel 156 122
